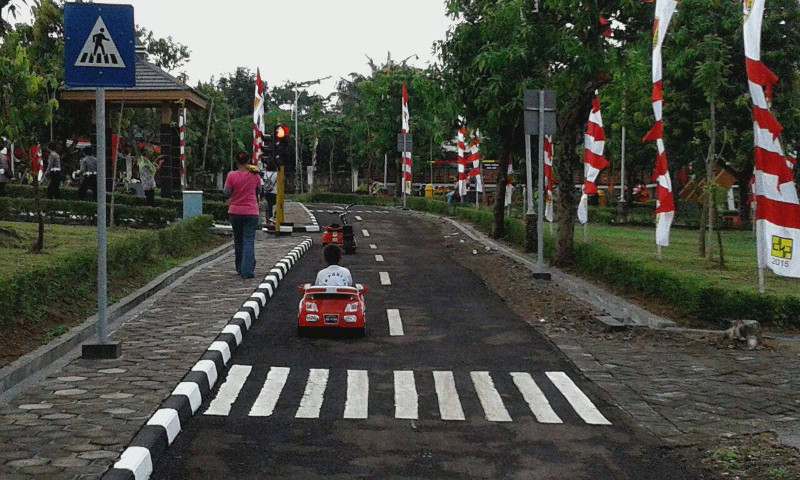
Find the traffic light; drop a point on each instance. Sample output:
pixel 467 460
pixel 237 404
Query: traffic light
pixel 267 148
pixel 281 143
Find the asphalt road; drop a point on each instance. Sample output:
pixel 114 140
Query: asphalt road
pixel 467 391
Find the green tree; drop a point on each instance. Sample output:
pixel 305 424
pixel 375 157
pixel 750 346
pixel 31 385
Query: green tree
pixel 165 53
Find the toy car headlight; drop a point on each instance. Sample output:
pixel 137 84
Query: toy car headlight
pixel 311 307
pixel 350 318
pixel 312 318
pixel 351 307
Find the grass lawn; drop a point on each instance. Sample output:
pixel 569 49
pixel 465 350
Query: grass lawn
pixel 55 312
pixel 740 270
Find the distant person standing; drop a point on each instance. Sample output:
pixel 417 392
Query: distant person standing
pixel 147 175
pixel 271 189
pixel 53 172
pixel 5 174
pixel 242 187
pixel 88 174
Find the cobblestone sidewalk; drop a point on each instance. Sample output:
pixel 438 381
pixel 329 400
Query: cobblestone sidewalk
pixel 74 424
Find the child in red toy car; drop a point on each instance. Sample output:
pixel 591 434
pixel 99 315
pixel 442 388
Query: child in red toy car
pixel 334 275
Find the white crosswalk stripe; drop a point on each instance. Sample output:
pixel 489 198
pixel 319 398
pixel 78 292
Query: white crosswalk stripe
pixel 265 403
pixel 532 394
pixel 449 395
pixel 449 403
pixel 579 401
pixel 311 403
pixel 406 399
pixel 357 394
pixel 229 391
pixel 490 399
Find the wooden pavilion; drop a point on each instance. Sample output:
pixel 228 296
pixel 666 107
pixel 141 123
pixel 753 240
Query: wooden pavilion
pixel 154 88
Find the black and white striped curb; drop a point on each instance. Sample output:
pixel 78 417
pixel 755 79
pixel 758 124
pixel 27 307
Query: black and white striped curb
pixel 152 440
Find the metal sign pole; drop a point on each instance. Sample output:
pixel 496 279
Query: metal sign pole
pixel 102 272
pixel 540 212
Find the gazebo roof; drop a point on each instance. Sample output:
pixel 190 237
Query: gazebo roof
pixel 153 87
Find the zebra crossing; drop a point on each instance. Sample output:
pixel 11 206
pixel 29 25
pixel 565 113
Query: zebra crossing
pixel 454 400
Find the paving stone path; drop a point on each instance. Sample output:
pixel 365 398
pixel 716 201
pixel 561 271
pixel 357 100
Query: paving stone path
pixel 75 423
pixel 682 388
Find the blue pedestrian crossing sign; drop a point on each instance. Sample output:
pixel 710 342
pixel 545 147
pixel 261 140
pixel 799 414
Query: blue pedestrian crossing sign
pixel 99 46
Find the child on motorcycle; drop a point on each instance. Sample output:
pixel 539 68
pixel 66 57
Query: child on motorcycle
pixel 334 274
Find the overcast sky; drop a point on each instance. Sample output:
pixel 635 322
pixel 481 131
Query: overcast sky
pixel 295 40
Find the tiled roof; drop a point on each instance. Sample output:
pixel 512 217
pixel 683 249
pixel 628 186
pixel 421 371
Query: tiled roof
pixel 149 78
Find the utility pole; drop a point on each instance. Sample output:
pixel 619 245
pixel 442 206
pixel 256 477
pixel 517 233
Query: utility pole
pixel 297 166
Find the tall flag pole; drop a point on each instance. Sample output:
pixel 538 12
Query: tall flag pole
pixel 594 161
pixel 258 118
pixel 549 180
pixel 462 163
pixel 774 192
pixel 665 204
pixel 474 162
pixel 182 126
pixel 406 155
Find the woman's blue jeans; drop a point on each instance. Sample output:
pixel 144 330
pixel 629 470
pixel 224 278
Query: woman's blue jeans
pixel 244 236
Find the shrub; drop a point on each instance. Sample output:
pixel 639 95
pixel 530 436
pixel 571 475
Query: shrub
pixel 69 281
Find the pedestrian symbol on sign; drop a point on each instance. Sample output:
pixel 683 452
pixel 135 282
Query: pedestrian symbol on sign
pixel 99 49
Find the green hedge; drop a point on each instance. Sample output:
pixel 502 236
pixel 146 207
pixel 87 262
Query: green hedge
pixel 218 209
pixel 84 213
pixel 69 282
pixel 689 296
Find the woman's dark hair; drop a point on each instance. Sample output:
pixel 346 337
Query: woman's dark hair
pixel 332 254
pixel 242 158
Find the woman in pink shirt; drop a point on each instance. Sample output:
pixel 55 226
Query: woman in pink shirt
pixel 242 188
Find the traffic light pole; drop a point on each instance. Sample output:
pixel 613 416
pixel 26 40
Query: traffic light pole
pixel 279 215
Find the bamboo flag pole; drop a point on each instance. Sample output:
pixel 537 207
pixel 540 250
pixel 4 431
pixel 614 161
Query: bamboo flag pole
pixel 761 280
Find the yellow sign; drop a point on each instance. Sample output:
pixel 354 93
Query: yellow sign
pixel 782 247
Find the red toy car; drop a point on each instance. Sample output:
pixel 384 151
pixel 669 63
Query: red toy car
pixel 341 235
pixel 324 308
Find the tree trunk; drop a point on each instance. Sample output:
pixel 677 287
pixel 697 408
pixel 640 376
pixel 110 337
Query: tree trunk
pixel 499 223
pixel 567 198
pixel 744 198
pixel 719 241
pixel 701 240
pixel 710 163
pixel 330 166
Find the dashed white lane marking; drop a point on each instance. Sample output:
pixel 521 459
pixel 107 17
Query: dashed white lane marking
pixel 229 391
pixel 365 233
pixel 264 405
pixel 385 280
pixel 359 218
pixel 395 322
pixel 449 403
pixel 490 399
pixel 311 403
pixel 579 401
pixel 406 400
pixel 357 403
pixel 373 246
pixel 378 258
pixel 537 402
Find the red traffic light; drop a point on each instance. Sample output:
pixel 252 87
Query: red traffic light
pixel 281 131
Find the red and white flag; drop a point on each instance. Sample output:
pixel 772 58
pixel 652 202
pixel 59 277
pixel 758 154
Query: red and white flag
pixel 474 161
pixel 406 155
pixel 462 162
pixel 549 180
pixel 777 205
pixel 182 126
pixel 258 118
pixel 509 182
pixel 665 204
pixel 594 161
